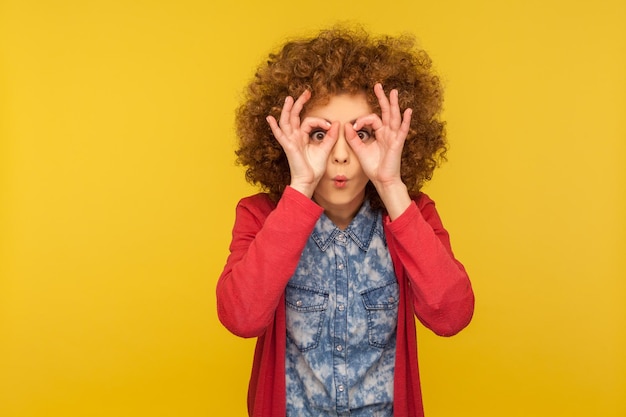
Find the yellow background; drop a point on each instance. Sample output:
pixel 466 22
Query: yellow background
pixel 118 193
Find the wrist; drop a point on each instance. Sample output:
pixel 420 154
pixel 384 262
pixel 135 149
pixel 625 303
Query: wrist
pixel 304 188
pixel 395 196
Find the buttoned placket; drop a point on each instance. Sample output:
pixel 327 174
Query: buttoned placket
pixel 340 263
pixel 340 327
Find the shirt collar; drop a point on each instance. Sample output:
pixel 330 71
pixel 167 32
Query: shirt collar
pixel 361 229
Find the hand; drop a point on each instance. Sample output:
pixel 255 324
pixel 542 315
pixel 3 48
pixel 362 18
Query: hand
pixel 380 158
pixel 307 144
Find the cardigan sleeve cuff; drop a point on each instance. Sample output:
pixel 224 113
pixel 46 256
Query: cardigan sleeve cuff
pixel 405 219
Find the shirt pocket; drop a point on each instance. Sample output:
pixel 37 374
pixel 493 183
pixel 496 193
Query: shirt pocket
pixel 306 308
pixel 381 304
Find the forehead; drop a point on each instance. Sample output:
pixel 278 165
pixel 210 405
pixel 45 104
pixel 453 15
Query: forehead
pixel 340 107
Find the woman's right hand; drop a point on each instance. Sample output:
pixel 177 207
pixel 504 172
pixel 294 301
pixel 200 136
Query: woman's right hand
pixel 307 144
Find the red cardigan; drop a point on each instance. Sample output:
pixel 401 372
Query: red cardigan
pixel 268 240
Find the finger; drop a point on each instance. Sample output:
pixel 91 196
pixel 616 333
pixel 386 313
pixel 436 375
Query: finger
pixel 285 113
pixel 395 116
pixel 331 137
pixel 311 123
pixel 383 102
pixel 276 131
pixel 353 139
pixel 370 120
pixel 406 122
pixel 298 105
pixel 274 126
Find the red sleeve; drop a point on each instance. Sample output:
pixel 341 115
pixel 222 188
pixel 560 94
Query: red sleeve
pixel 264 253
pixel 442 294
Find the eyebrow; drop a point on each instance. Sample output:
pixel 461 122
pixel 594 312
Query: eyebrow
pixel 351 121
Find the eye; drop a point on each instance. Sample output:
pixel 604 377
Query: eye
pixel 364 134
pixel 318 135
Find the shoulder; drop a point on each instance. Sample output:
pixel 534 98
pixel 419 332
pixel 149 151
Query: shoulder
pixel 426 207
pixel 258 206
pixel 291 201
pixel 260 200
pixel 422 200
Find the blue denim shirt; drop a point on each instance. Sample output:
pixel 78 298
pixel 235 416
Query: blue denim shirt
pixel 342 308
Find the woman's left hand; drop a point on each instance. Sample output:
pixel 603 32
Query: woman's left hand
pixel 380 158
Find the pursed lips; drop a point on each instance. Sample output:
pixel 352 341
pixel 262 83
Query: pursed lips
pixel 340 181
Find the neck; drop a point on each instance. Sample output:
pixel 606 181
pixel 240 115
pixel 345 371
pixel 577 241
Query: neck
pixel 341 215
pixel 342 222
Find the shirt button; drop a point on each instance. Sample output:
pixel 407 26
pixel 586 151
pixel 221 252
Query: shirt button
pixel 340 266
pixel 339 348
pixel 340 388
pixel 299 303
pixel 341 307
pixel 341 237
pixel 391 300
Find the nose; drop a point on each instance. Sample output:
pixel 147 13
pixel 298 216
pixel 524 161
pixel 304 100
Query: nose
pixel 341 151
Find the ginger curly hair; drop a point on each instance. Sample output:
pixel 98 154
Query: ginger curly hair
pixel 337 61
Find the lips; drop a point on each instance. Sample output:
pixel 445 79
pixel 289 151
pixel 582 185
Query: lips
pixel 340 181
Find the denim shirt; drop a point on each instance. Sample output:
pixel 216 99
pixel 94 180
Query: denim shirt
pixel 342 308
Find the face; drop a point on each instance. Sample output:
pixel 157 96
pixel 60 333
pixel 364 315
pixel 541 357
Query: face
pixel 342 188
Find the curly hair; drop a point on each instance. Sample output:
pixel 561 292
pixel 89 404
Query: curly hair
pixel 338 61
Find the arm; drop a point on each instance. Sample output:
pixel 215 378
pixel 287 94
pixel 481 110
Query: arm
pixel 442 295
pixel 441 291
pixel 267 243
pixel 264 254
